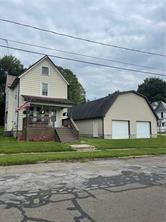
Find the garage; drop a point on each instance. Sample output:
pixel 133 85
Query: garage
pixel 143 129
pixel 120 115
pixel 120 129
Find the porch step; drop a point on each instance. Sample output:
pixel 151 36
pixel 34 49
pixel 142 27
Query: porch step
pixel 64 135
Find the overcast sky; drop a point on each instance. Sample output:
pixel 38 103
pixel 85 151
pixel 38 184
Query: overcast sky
pixel 139 24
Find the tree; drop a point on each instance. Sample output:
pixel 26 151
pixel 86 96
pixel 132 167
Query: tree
pixel 154 89
pixel 77 93
pixel 11 65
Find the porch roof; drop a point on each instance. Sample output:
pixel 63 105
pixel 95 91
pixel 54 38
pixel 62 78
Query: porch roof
pixel 48 101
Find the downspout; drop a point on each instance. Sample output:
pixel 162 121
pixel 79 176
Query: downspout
pixel 103 126
pixel 5 122
pixel 18 104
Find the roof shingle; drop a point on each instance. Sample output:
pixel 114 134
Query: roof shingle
pixel 98 108
pixel 93 109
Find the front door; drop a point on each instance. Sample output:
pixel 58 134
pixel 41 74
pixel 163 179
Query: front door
pixel 95 128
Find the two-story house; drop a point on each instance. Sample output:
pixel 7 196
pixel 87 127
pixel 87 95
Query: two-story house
pixel 160 110
pixel 37 103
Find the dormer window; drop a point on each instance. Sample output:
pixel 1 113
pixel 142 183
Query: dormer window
pixel 45 70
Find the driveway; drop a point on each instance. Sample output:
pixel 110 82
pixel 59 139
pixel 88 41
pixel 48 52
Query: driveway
pixel 114 190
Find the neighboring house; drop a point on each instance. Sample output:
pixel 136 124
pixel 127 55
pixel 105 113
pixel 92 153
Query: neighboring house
pixel 160 110
pixel 116 116
pixel 37 103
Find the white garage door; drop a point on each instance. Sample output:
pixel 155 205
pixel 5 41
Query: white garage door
pixel 120 129
pixel 143 129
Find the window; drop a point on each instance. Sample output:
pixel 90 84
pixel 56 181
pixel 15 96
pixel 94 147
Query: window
pixel 45 70
pixel 161 114
pixel 44 89
pixel 163 124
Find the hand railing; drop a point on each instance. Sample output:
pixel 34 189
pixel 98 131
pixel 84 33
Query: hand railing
pixel 69 122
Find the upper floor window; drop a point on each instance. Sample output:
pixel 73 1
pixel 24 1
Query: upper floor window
pixel 162 115
pixel 45 70
pixel 44 89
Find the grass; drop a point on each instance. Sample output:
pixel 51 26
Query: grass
pixel 1 130
pixel 106 144
pixel 9 145
pixel 13 152
pixel 18 159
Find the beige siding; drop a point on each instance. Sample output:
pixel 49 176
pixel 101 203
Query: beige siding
pixel 31 83
pixel 129 107
pixel 11 105
pixel 86 127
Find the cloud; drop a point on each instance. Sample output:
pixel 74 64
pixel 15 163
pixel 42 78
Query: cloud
pixel 130 23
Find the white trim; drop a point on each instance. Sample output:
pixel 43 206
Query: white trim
pixel 41 89
pixel 24 73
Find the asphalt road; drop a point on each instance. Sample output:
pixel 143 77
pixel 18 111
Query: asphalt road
pixel 125 190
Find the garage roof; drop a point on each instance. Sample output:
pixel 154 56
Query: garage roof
pixel 98 108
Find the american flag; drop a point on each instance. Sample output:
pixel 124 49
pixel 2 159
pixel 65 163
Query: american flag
pixel 23 106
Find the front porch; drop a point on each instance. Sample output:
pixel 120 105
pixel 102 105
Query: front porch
pixel 46 120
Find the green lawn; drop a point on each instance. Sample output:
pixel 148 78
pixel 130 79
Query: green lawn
pixel 28 158
pixel 9 145
pixel 105 144
pixel 14 152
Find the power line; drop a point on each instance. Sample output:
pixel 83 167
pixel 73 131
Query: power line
pixel 77 54
pixel 82 39
pixel 86 62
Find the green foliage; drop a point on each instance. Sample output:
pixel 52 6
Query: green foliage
pixel 12 66
pixel 76 91
pixel 154 89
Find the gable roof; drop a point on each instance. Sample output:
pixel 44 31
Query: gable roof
pixel 9 80
pixel 98 108
pixel 33 65
pixel 160 107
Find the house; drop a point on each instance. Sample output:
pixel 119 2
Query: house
pixel 116 116
pixel 37 103
pixel 160 109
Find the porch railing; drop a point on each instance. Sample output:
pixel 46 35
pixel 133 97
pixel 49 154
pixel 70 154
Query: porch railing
pixel 69 122
pixel 40 121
